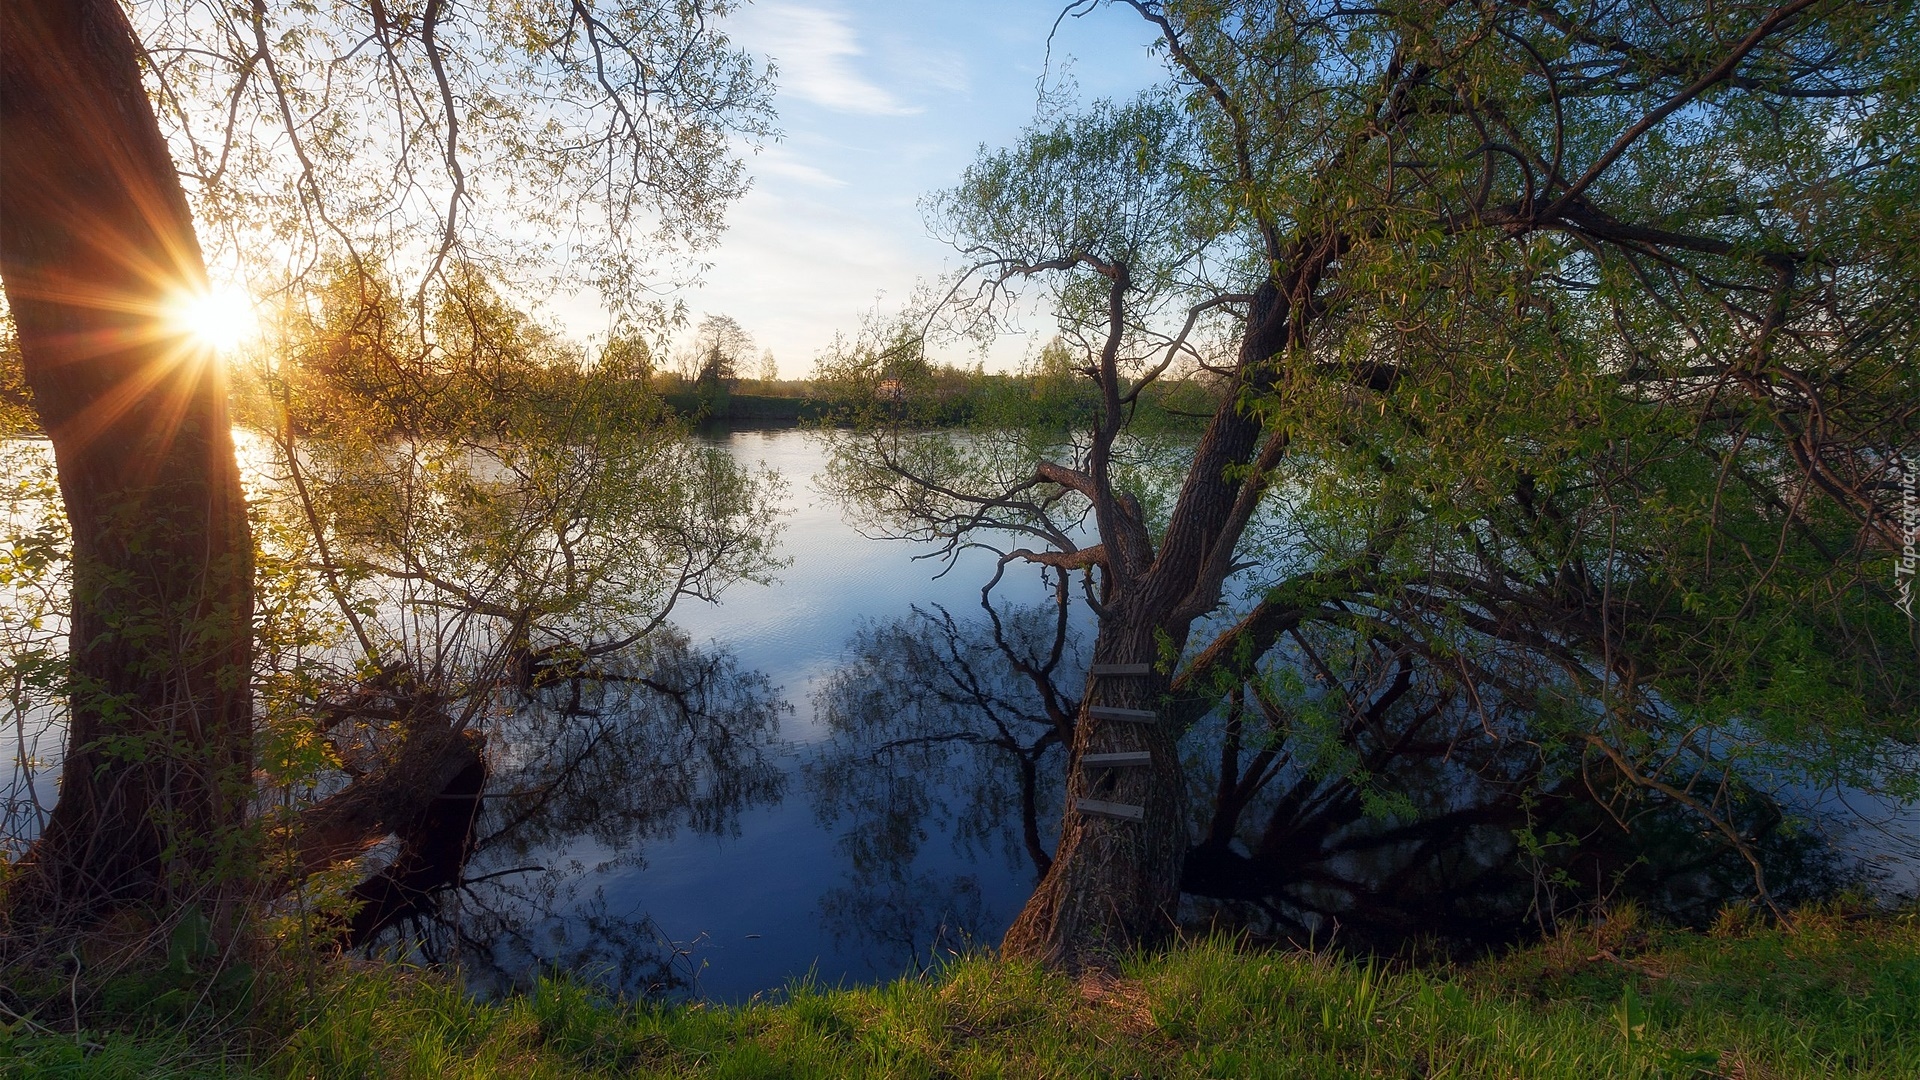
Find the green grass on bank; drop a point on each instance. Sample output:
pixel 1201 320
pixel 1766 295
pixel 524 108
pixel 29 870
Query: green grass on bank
pixel 1839 997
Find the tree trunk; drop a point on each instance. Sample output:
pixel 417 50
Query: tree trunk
pixel 434 848
pixel 95 241
pixel 1114 883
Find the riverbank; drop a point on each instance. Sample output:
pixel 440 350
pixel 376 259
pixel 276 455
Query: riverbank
pixel 1839 996
pixel 745 410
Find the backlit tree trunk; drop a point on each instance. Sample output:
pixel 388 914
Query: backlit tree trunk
pixel 95 240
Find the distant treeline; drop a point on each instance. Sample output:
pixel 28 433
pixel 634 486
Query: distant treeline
pixel 749 408
pixel 750 401
pixel 942 397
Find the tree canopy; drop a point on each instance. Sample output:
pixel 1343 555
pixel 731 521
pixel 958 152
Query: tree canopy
pixel 577 145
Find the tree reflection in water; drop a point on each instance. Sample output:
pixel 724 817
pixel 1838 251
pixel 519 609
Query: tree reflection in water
pixel 1343 788
pixel 950 727
pixel 1356 787
pixel 596 760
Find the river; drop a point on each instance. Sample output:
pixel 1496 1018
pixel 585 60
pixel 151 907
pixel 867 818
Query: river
pixel 872 828
pixel 750 910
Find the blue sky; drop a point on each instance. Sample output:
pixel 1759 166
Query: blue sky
pixel 880 104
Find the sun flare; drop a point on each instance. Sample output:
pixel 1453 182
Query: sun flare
pixel 220 319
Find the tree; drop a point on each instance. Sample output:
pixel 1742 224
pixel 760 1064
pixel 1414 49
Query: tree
pixel 1377 814
pixel 466 593
pixel 1478 287
pixel 713 360
pixel 720 349
pixel 97 238
pixel 96 243
pixel 627 357
pixel 406 138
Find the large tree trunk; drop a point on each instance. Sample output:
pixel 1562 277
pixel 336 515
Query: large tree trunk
pixel 95 241
pixel 1114 883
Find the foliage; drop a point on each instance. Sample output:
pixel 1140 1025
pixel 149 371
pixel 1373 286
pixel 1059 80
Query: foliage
pixel 1556 385
pixel 16 398
pixel 1587 466
pixel 483 540
pixel 332 151
pixel 416 136
pixel 34 580
pixel 498 473
pixel 492 536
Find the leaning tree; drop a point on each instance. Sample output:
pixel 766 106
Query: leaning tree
pixel 96 241
pixel 1563 350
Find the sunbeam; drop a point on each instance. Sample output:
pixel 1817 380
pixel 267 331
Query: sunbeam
pixel 220 319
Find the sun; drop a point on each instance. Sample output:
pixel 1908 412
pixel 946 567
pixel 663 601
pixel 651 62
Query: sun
pixel 219 319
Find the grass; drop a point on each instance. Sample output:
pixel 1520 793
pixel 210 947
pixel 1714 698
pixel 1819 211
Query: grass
pixel 1839 996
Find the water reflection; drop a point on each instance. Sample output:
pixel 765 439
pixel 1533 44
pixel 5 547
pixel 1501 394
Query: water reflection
pixel 1344 790
pixel 631 825
pixel 596 762
pixel 950 728
pixel 717 885
pixel 907 922
pixel 1347 790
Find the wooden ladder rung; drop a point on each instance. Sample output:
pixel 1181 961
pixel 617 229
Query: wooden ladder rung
pixel 1132 716
pixel 1123 669
pixel 1129 757
pixel 1111 809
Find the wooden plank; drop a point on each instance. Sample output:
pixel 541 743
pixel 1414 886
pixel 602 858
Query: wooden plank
pixel 1111 809
pixel 1132 716
pixel 1130 757
pixel 1123 669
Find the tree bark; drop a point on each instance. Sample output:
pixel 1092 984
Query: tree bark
pixel 95 241
pixel 1114 884
pixel 434 848
pixel 432 756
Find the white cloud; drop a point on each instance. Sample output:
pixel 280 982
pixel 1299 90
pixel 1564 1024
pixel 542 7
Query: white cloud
pixel 937 69
pixel 772 162
pixel 798 266
pixel 814 49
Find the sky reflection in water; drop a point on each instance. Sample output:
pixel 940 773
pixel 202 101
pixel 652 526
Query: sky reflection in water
pixel 748 907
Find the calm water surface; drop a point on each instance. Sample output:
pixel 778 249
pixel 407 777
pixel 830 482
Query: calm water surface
pixel 742 909
pixel 760 897
pixel 748 907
